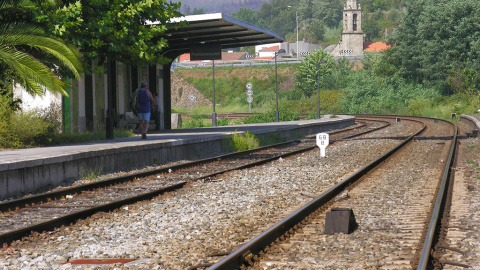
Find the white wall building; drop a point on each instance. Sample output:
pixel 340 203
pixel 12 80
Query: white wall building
pixel 268 50
pixel 30 102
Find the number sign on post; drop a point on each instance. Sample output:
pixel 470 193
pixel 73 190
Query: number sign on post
pixel 322 142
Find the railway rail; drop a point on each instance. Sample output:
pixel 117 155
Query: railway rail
pixel 293 239
pixel 273 248
pixel 42 212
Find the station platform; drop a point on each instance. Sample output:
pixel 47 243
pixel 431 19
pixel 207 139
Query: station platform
pixel 25 171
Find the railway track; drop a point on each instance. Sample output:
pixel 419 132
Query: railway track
pixel 392 234
pixel 43 212
pixel 199 249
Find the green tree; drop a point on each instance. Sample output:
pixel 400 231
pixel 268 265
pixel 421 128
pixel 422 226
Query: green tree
pixel 312 71
pixel 340 75
pixel 316 30
pixel 30 53
pixel 115 30
pixel 278 16
pixel 330 11
pixel 436 36
pixel 246 15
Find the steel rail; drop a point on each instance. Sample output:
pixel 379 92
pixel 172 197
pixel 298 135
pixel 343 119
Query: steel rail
pixel 44 197
pixel 425 254
pixel 72 217
pixel 237 258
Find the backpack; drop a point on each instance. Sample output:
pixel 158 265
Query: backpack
pixel 134 102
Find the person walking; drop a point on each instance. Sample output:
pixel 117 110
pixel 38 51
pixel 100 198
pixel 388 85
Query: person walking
pixel 145 99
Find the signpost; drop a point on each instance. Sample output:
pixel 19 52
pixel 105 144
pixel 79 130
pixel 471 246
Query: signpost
pixel 249 95
pixel 322 142
pixel 208 52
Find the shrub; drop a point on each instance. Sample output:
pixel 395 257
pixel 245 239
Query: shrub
pixel 20 129
pixel 246 142
pixel 223 122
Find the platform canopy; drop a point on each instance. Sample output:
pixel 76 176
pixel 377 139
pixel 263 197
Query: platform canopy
pixel 213 29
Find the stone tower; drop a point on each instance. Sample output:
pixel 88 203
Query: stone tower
pixel 351 43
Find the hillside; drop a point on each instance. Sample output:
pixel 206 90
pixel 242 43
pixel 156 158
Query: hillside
pixel 230 84
pixel 182 92
pixel 223 6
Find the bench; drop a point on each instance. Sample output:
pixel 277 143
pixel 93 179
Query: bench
pixel 132 121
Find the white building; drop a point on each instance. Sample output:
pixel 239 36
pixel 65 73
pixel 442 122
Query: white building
pixel 268 50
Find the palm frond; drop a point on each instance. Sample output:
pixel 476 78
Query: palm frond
pixel 68 57
pixel 35 76
pixel 15 40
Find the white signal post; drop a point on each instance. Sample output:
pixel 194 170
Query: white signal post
pixel 249 95
pixel 322 142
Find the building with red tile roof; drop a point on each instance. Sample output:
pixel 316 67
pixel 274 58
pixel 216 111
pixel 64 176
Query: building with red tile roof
pixel 375 46
pixel 226 56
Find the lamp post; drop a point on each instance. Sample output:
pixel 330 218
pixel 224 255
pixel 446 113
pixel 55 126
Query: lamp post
pixel 296 21
pixel 277 114
pixel 323 63
pixel 214 114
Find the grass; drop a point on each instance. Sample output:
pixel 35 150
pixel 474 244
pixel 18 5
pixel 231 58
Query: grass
pixel 90 174
pixel 471 162
pixel 245 142
pixel 240 142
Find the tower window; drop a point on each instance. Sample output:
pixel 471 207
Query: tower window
pixel 355 22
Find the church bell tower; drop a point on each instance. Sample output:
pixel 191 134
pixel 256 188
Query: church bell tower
pixel 351 43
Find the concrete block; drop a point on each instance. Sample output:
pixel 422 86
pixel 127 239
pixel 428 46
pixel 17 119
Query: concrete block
pixel 340 220
pixel 176 120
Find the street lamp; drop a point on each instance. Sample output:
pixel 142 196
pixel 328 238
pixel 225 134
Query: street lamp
pixel 296 20
pixel 276 85
pixel 323 63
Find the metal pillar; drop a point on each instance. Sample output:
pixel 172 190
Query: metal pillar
pixel 214 114
pixel 112 97
pixel 277 114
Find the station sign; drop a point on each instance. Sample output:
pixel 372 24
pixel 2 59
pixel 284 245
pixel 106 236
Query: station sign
pixel 206 52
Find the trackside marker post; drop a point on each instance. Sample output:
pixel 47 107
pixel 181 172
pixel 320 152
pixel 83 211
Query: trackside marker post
pixel 322 142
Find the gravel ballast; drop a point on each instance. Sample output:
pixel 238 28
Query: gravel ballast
pixel 180 229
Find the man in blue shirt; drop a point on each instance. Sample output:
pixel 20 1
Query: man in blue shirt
pixel 145 101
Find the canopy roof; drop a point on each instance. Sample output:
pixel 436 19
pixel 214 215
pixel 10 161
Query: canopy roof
pixel 213 29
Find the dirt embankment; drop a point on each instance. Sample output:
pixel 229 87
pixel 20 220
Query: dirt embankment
pixel 185 95
pixel 182 91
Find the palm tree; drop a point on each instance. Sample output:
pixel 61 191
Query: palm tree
pixel 27 50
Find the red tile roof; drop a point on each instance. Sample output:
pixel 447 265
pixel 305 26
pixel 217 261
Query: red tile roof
pixel 232 56
pixel 375 46
pixel 226 56
pixel 274 48
pixel 263 58
pixel 184 57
